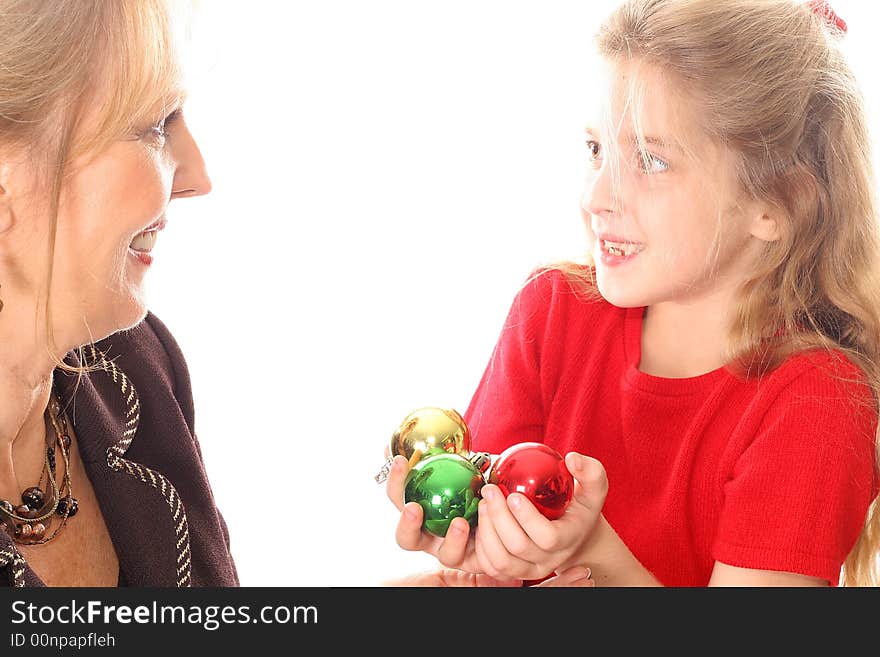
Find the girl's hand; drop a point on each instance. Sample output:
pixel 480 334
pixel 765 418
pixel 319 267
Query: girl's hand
pixel 448 577
pixel 578 576
pixel 514 539
pixel 455 550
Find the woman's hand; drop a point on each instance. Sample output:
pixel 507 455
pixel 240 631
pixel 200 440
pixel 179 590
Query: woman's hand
pixel 448 577
pixel 455 550
pixel 514 539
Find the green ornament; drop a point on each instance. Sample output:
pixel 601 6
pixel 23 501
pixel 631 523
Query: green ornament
pixel 446 486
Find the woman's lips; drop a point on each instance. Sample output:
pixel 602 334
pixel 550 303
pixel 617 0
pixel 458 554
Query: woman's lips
pixel 146 239
pixel 158 225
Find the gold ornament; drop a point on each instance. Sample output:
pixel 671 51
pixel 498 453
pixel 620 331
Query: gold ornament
pixel 428 431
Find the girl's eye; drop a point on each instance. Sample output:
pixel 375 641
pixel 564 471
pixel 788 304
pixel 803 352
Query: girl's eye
pixel 651 163
pixel 592 150
pixel 159 131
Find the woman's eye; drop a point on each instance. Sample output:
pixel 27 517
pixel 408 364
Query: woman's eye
pixel 593 150
pixel 651 163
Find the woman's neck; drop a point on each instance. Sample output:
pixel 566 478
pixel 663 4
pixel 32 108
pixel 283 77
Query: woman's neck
pixel 24 397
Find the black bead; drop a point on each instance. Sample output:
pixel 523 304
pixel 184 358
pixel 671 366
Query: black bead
pixel 65 439
pixel 66 502
pixel 33 497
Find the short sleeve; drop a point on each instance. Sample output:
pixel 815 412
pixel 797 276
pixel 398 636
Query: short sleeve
pixel 507 406
pixel 798 493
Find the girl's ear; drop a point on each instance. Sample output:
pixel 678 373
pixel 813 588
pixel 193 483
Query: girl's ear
pixel 765 225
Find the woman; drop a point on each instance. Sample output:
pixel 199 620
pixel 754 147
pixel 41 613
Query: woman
pixel 101 477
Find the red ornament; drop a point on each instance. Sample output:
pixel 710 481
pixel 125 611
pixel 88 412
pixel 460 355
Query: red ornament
pixel 538 472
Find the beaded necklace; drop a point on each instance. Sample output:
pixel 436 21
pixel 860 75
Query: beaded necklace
pixel 29 522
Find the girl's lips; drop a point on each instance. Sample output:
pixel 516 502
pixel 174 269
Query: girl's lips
pixel 608 237
pixel 612 259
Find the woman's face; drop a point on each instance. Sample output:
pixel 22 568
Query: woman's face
pixel 653 240
pixel 102 252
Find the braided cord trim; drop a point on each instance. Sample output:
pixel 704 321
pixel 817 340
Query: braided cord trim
pixel 12 556
pixel 117 463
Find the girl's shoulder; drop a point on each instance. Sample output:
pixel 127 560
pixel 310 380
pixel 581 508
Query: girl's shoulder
pixel 820 379
pixel 563 299
pixel 566 284
pixel 821 366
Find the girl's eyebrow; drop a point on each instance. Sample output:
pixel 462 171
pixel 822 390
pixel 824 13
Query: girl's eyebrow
pixel 662 143
pixel 657 141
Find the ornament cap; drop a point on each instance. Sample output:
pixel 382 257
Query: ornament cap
pixel 482 461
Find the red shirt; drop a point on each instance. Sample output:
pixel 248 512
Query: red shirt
pixel 772 474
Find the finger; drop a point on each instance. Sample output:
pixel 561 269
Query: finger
pixel 578 576
pixel 591 482
pixel 452 577
pixel 480 552
pixel 486 580
pixel 507 526
pixel 453 548
pixel 540 532
pixel 409 529
pixel 502 562
pixel 397 481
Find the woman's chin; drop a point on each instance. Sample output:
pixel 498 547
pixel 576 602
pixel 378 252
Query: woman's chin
pixel 126 314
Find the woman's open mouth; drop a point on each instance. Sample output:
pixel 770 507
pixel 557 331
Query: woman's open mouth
pixel 143 243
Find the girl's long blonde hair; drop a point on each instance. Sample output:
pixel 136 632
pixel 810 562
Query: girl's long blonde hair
pixel 770 83
pixel 58 58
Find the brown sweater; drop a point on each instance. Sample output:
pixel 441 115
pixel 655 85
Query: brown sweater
pixel 134 421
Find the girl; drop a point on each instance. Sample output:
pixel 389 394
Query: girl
pixel 712 372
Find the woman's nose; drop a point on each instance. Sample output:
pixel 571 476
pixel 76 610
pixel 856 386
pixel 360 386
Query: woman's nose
pixel 191 175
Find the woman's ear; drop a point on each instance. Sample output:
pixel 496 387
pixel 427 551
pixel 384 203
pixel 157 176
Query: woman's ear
pixel 6 214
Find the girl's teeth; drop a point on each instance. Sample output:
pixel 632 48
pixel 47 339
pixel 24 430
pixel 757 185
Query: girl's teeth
pixel 144 241
pixel 621 249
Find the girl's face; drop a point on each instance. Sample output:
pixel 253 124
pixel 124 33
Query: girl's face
pixel 653 236
pixel 112 208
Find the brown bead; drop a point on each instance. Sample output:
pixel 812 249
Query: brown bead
pixel 67 506
pixel 24 531
pixel 33 497
pixel 38 531
pixel 25 511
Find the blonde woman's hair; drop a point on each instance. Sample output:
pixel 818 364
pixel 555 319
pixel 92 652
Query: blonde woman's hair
pixel 58 59
pixel 767 80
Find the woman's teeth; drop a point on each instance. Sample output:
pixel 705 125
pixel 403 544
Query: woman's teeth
pixel 622 248
pixel 144 241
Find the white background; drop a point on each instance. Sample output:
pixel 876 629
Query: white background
pixel 385 174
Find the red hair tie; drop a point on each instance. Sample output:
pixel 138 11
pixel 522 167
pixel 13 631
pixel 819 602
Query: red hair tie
pixel 823 9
